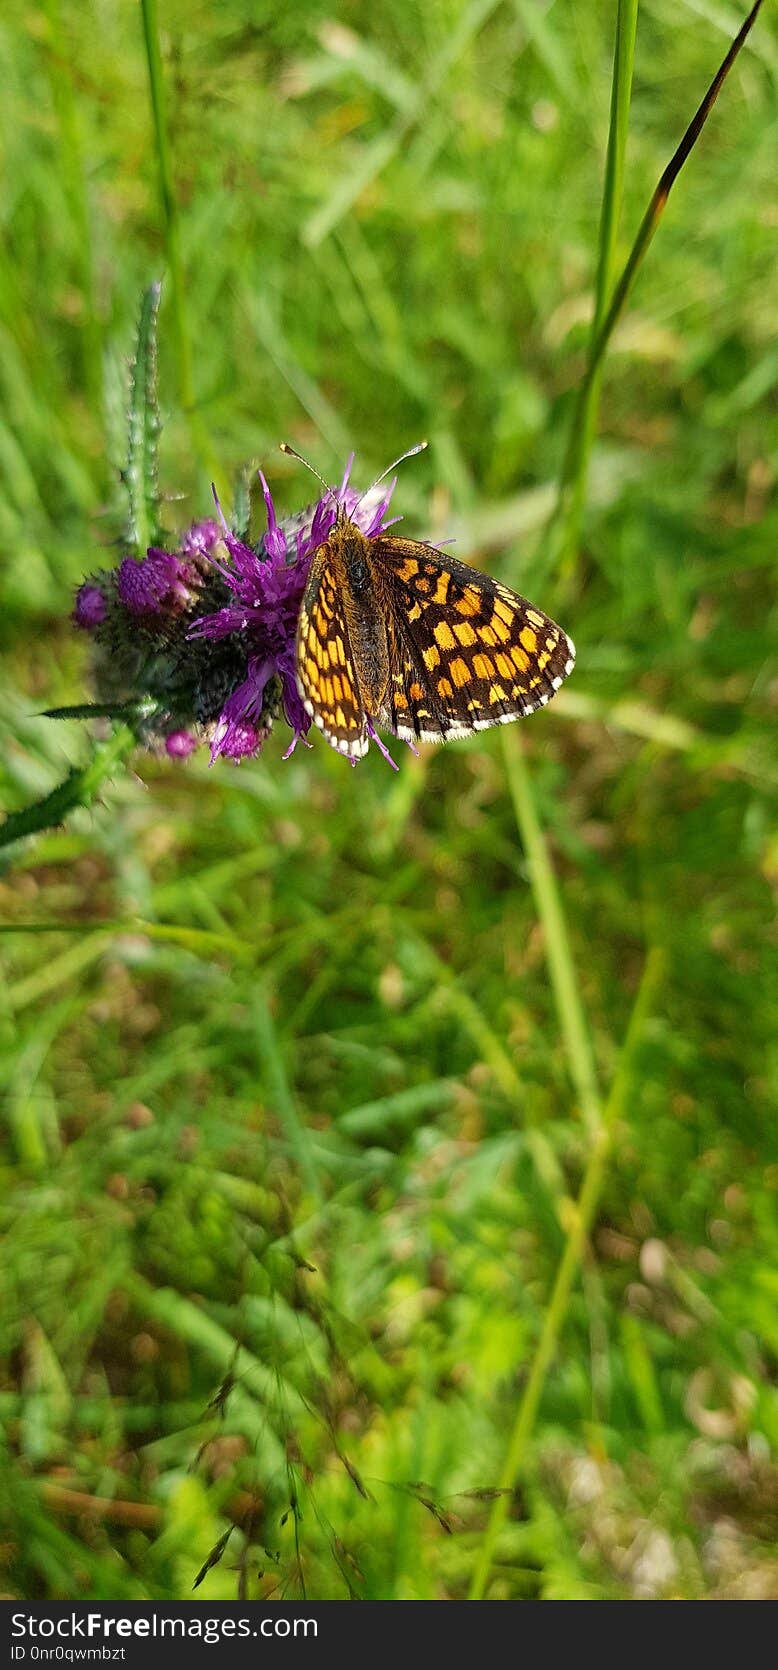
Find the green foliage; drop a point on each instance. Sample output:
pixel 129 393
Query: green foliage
pixel 290 1139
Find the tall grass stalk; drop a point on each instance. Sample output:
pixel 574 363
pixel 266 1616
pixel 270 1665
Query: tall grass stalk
pixel 568 1267
pixel 600 1122
pixel 71 164
pixel 171 223
pixel 574 475
pixel 586 418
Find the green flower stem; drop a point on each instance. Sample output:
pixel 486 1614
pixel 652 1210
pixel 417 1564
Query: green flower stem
pixel 141 473
pixel 569 1264
pixel 80 788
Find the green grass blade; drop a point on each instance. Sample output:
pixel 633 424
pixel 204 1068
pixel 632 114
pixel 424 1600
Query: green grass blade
pixel 392 1113
pixel 575 467
pixel 168 200
pixel 57 972
pixel 570 1013
pixel 172 231
pixel 621 94
pixel 381 151
pixel 71 164
pixel 281 1096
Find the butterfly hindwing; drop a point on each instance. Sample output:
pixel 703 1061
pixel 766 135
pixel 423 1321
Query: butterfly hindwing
pixel 409 709
pixel 465 651
pixel 326 675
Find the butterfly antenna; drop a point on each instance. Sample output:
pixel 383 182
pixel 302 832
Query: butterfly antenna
pixel 290 452
pixel 421 446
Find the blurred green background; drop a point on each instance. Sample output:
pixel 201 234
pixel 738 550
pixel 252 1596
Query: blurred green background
pixel 290 1139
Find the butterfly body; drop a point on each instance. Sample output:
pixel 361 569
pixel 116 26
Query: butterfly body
pixel 365 617
pixel 398 635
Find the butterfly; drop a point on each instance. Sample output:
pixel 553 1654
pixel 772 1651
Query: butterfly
pixel 396 635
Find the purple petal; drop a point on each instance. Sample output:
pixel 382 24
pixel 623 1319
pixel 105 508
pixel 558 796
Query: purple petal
pixel 90 607
pixel 322 523
pixel 199 540
pixel 374 525
pixel 143 587
pixel 275 539
pixel 220 625
pixel 180 744
pixel 288 752
pixel 242 555
pixel 294 712
pixel 237 730
pixel 237 741
pixel 346 474
pixel 374 737
pixel 368 518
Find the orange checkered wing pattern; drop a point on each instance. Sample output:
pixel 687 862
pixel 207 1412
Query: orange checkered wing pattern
pixel 465 652
pixel 326 675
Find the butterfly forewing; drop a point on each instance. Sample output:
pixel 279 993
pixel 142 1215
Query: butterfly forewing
pixel 465 651
pixel 326 674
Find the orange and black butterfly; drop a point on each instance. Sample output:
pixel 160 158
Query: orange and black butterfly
pixel 396 635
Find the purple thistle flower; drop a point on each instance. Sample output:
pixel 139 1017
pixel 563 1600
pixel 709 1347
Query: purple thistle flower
pixel 206 634
pixel 267 586
pixel 90 607
pixel 154 585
